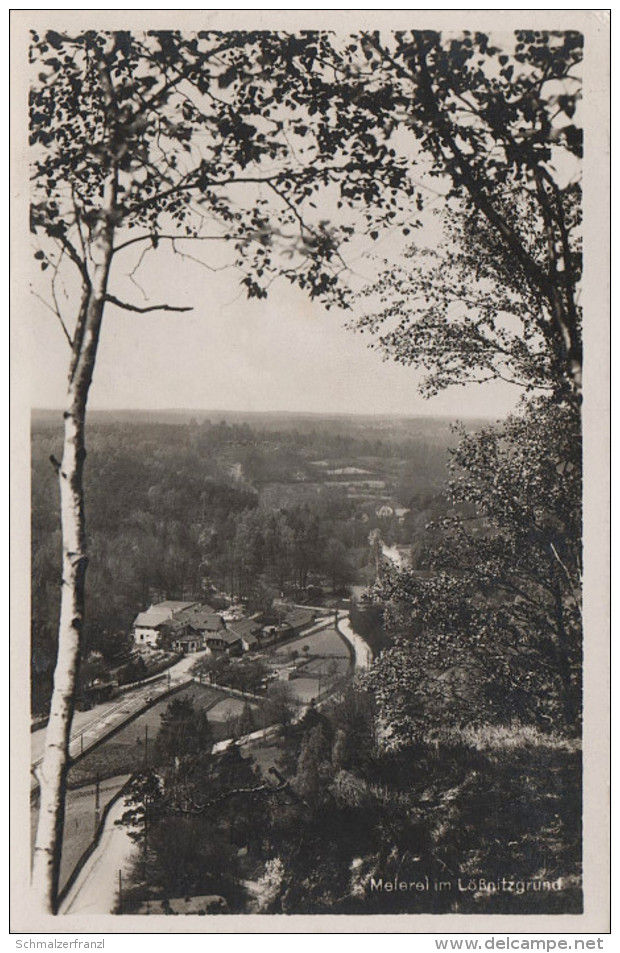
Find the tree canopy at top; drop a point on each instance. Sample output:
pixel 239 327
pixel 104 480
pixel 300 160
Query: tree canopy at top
pixel 236 134
pixel 222 136
pixel 500 123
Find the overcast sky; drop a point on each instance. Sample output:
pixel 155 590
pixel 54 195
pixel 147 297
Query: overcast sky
pixel 283 354
pixel 229 353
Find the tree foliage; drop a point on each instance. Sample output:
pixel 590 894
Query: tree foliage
pixel 429 809
pixel 495 632
pixel 498 118
pixel 237 131
pixel 184 738
pixel 464 313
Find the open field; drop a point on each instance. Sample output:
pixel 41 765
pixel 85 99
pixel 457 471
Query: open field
pixel 228 708
pixel 304 689
pixel 328 659
pixel 325 642
pixel 131 747
pixel 330 667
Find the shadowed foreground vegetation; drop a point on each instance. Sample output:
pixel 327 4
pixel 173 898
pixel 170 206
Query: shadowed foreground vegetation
pixel 343 817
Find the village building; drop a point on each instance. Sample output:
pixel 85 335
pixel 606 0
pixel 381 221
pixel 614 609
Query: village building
pixel 222 641
pixel 267 634
pixel 187 644
pixel 298 620
pixel 248 631
pixel 232 643
pixel 214 641
pixel 147 626
pixel 282 631
pixel 202 620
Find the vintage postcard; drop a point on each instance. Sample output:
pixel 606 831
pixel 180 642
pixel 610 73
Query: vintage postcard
pixel 310 497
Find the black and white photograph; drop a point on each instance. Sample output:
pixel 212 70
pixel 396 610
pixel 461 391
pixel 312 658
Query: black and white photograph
pixel 310 421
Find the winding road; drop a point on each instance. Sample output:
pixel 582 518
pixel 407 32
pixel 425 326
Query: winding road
pixel 95 890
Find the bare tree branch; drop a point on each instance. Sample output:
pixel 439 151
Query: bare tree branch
pixel 185 255
pixel 55 313
pixel 154 307
pixel 155 237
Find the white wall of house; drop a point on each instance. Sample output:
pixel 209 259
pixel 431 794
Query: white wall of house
pixel 144 635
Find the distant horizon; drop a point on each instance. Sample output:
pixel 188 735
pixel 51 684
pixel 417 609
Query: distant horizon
pixel 220 411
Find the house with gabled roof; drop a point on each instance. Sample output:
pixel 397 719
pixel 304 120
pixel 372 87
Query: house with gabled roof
pixel 248 631
pixel 203 617
pixel 232 642
pixel 222 641
pixel 299 619
pixel 147 626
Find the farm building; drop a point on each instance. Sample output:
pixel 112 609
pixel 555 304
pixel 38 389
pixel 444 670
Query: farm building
pixel 222 641
pixel 202 620
pixel 147 626
pixel 232 643
pixel 248 631
pixel 298 620
pixel 188 643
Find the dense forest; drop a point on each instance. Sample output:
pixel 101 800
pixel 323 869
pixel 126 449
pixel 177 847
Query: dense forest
pixel 256 508
pixel 453 764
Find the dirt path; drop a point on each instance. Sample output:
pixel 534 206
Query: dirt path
pixel 95 890
pixel 361 650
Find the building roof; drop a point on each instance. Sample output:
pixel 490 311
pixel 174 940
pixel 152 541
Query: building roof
pixel 244 627
pixel 297 618
pixel 230 638
pixel 199 608
pixel 161 612
pixel 281 627
pixel 152 618
pixel 224 635
pixel 203 619
pixel 210 623
pixel 173 625
pixel 213 636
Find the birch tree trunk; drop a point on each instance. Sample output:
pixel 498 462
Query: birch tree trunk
pixel 52 773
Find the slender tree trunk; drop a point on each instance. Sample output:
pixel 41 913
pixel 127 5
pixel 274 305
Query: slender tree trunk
pixel 53 770
pixel 52 773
